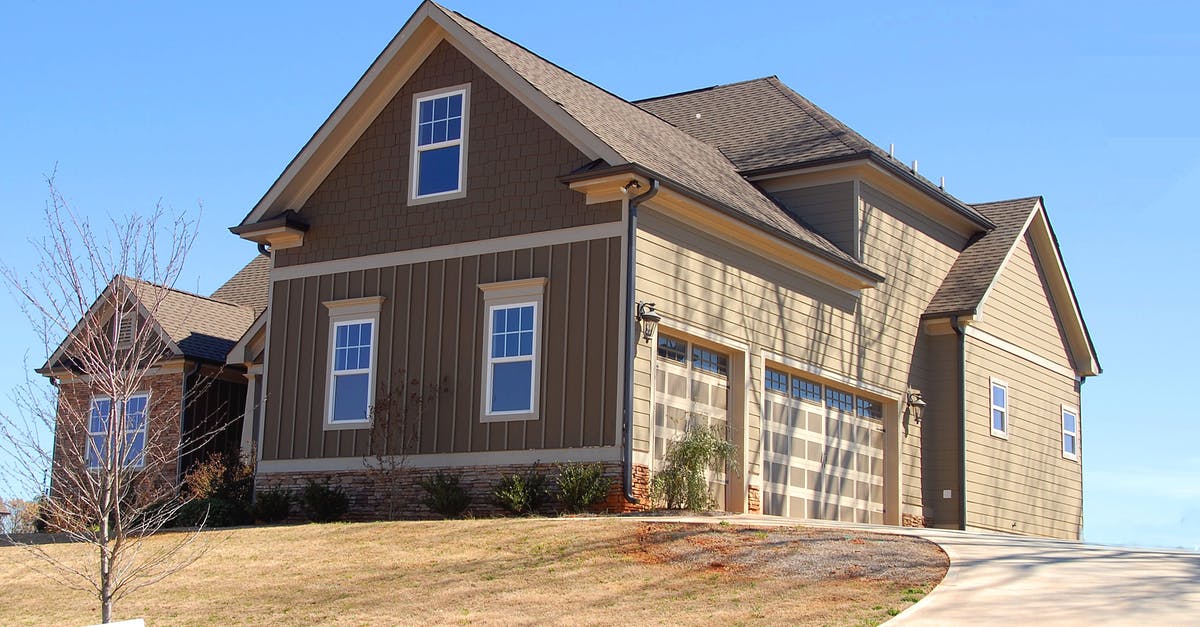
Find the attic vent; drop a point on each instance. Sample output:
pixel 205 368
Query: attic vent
pixel 125 330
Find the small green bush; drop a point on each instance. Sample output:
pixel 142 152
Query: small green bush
pixel 581 486
pixel 445 496
pixel 521 494
pixel 681 483
pixel 211 512
pixel 271 506
pixel 324 504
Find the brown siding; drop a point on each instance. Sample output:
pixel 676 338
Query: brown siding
pixel 1019 308
pixel 828 209
pixel 513 161
pixel 431 326
pixel 1022 484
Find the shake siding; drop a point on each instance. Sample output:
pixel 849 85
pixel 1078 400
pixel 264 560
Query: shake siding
pixel 828 209
pixel 713 285
pixel 1019 310
pixel 1022 484
pixel 430 330
pixel 513 161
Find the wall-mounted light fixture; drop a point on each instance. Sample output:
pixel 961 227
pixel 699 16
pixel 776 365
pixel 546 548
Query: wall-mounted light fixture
pixel 916 405
pixel 648 319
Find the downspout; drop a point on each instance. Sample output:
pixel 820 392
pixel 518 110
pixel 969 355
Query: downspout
pixel 962 421
pixel 631 337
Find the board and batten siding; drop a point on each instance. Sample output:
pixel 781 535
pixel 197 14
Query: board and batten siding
pixel 714 286
pixel 1021 484
pixel 431 327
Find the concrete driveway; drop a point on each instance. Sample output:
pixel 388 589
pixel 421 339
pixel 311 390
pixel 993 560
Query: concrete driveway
pixel 997 579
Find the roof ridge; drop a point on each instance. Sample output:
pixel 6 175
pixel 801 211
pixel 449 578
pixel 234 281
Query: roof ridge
pixel 185 292
pixel 700 89
pixel 839 129
pixel 1006 200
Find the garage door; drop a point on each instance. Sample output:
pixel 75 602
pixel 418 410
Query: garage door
pixel 691 384
pixel 822 451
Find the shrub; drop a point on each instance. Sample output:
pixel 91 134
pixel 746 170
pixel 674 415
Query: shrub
pixel 581 486
pixel 521 494
pixel 323 503
pixel 219 512
pixel 222 475
pixel 271 506
pixel 445 496
pixel 681 483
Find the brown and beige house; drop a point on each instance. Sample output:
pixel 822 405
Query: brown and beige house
pixel 481 229
pixel 152 358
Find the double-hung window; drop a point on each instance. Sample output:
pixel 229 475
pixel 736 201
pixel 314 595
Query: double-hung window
pixel 511 346
pixel 439 144
pixel 999 405
pixel 353 333
pixel 126 429
pixel 1070 433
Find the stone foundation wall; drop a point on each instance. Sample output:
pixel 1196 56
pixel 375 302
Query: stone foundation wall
pixel 376 495
pixel 753 500
pixel 914 520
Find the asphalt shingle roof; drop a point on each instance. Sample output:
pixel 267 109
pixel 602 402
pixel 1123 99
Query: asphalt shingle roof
pixel 249 286
pixel 645 139
pixel 203 328
pixel 976 267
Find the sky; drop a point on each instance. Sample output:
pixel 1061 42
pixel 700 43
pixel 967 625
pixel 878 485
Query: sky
pixel 1089 104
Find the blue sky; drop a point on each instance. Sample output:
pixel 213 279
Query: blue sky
pixel 1090 104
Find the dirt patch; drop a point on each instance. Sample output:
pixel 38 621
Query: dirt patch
pixel 811 555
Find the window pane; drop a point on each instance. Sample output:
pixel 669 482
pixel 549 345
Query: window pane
pixel 998 420
pixel 868 408
pixel 512 385
pixel 440 105
pixel 999 396
pixel 672 349
pixel 438 171
pixel 439 131
pixel 426 135
pixel 803 388
pixel 135 444
pixel 95 451
pixel 711 361
pixel 527 318
pixel 454 129
pixel 526 343
pixel 99 417
pixel 1068 422
pixel 426 111
pixel 512 344
pixel 1069 444
pixel 364 334
pixel 456 105
pixel 350 397
pixel 135 414
pixel 776 381
pixel 841 401
pixel 341 335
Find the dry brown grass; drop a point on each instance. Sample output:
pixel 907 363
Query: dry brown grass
pixel 508 571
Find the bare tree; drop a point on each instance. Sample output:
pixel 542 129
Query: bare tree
pixel 395 434
pixel 113 477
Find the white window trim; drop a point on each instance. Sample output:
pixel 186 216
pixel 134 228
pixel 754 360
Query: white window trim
pixel 993 383
pixel 141 461
pixel 503 295
pixel 1065 409
pixel 344 312
pixel 414 150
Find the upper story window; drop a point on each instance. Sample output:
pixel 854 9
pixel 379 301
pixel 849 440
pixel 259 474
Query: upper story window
pixel 839 400
pixel 710 361
pixel 999 414
pixel 353 331
pixel 1070 433
pixel 672 348
pixel 130 442
pixel 868 408
pixel 512 352
pixel 439 145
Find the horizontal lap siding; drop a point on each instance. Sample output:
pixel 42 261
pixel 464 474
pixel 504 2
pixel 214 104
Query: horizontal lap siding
pixel 710 284
pixel 431 326
pixel 828 209
pixel 1022 484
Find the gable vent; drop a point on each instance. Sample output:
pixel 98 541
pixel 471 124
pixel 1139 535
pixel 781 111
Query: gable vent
pixel 125 328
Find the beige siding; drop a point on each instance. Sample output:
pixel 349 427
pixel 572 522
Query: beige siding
pixel 1019 309
pixel 1021 484
pixel 430 331
pixel 829 209
pixel 713 286
pixel 937 361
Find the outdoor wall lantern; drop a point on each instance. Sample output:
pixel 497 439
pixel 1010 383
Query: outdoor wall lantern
pixel 916 405
pixel 648 318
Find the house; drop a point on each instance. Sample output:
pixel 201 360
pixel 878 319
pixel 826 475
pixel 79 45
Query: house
pixel 180 405
pixel 557 274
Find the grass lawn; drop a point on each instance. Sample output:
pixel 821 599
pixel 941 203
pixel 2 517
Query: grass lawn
pixel 510 571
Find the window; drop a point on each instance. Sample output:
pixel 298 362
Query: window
pixel 805 389
pixel 999 408
pixel 1070 433
pixel 132 442
pixel 511 360
pixel 710 361
pixel 439 144
pixel 353 331
pixel 839 400
pixel 868 408
pixel 776 381
pixel 672 348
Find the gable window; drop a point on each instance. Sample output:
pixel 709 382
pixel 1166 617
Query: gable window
pixel 131 442
pixel 511 363
pixel 999 414
pixel 1070 433
pixel 353 331
pixel 439 144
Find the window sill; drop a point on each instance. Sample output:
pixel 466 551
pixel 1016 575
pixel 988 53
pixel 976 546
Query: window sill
pixel 432 198
pixel 508 417
pixel 347 425
pixel 1000 435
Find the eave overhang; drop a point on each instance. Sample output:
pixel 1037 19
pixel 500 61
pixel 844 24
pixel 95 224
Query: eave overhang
pixel 283 231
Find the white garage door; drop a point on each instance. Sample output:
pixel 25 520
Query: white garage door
pixel 822 451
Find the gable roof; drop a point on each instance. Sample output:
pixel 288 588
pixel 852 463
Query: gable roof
pixel 977 267
pixel 764 125
pixel 249 286
pixel 201 327
pixel 966 287
pixel 620 133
